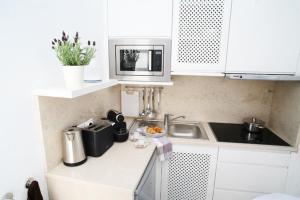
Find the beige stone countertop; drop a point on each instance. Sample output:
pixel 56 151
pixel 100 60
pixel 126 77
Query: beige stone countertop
pixel 119 169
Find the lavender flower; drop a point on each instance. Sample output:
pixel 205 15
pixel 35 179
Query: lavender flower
pixel 71 52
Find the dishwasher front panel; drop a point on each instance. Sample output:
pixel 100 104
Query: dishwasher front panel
pixel 146 189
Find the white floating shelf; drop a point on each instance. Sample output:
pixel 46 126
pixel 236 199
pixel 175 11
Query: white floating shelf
pixel 87 88
pixel 146 83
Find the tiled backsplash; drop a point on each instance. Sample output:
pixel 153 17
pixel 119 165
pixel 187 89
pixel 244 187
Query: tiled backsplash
pixel 217 99
pixel 199 98
pixel 285 112
pixel 58 113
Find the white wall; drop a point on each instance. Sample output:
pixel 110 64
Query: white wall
pixel 28 62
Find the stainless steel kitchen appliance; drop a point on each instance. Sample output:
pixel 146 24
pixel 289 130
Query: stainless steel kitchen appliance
pixel 146 189
pixel 145 59
pixel 254 125
pixel 73 150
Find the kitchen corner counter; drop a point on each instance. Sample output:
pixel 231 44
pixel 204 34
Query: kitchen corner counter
pixel 114 175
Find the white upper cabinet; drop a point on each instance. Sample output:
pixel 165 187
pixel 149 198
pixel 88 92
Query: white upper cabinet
pixel 199 36
pixel 264 37
pixel 140 18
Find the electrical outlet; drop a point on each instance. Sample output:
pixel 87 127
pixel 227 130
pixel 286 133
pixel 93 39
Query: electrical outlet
pixel 8 196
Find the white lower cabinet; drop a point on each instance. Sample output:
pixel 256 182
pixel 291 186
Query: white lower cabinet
pixel 208 172
pixel 220 194
pixel 190 174
pixel 245 174
pixel 252 178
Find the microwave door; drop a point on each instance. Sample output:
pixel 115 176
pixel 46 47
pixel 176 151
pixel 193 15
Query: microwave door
pixel 138 60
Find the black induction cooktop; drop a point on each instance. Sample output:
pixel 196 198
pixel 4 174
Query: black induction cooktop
pixel 236 133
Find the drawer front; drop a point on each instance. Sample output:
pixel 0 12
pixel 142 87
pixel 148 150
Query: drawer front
pixel 234 195
pixel 252 178
pixel 254 157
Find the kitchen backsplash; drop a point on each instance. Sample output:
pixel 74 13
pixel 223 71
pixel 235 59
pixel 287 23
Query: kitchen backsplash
pixel 217 99
pixel 199 98
pixel 59 113
pixel 285 112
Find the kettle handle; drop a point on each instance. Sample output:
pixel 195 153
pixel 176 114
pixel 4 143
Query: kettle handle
pixel 70 136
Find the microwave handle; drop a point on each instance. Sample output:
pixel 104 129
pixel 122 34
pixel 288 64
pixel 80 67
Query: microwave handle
pixel 150 60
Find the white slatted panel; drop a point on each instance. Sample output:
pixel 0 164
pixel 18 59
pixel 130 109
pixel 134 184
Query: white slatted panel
pixel 188 176
pixel 200 28
pixel 200 35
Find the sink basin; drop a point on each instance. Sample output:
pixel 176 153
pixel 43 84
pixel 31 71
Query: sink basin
pixel 178 129
pixel 184 131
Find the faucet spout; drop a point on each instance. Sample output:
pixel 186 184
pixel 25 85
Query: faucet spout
pixel 182 116
pixel 167 122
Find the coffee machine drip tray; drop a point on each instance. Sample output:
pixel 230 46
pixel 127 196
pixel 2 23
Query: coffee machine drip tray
pixel 236 133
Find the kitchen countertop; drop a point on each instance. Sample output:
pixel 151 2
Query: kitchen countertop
pixel 120 168
pixel 116 174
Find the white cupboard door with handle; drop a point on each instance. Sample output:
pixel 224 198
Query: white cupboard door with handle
pixel 140 18
pixel 199 36
pixel 264 37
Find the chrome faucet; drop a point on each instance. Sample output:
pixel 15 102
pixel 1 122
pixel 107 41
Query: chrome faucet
pixel 167 121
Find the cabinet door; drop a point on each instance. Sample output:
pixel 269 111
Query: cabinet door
pixel 234 195
pixel 190 173
pixel 140 18
pixel 264 37
pixel 200 30
pixel 251 178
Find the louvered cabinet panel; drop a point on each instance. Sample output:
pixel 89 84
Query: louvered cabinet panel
pixel 200 30
pixel 189 174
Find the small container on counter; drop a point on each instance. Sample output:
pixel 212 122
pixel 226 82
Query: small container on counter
pixel 142 142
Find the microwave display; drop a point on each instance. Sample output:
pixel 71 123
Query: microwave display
pixel 142 60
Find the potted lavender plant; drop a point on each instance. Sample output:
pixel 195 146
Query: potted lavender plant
pixel 73 57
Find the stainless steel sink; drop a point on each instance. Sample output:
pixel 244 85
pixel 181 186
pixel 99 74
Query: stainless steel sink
pixel 177 129
pixel 184 131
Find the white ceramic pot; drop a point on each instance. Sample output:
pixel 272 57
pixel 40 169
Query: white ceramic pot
pixel 73 76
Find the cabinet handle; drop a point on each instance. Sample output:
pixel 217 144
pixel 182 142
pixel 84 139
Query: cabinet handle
pixel 150 60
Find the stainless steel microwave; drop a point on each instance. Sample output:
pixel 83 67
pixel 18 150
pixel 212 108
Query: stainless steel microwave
pixel 140 59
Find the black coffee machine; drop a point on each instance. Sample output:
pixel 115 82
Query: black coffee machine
pixel 117 118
